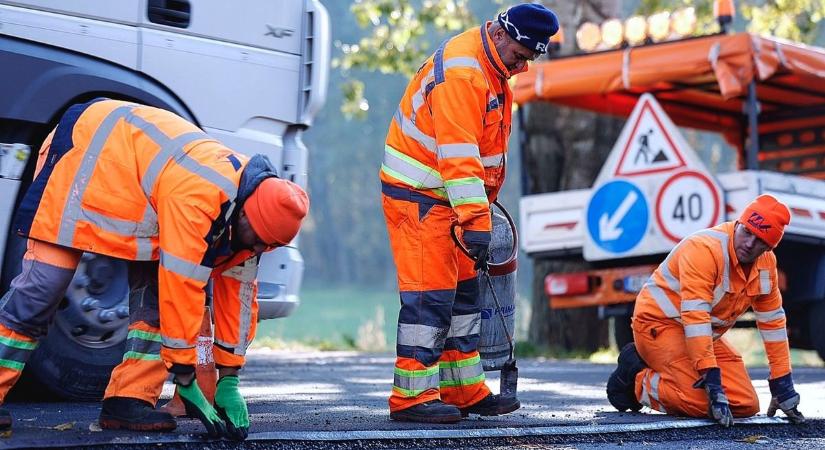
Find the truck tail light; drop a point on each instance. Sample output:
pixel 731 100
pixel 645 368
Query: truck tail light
pixel 567 284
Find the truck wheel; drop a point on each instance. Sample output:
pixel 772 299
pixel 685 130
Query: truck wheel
pixel 88 336
pixel 817 330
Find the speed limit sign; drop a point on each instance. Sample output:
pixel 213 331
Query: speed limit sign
pixel 688 201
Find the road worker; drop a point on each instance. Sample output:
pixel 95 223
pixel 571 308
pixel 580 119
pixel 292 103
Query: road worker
pixel 680 363
pixel 144 185
pixel 444 162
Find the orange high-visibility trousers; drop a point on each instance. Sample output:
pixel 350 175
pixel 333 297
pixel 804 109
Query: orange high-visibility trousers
pixel 440 317
pixel 667 384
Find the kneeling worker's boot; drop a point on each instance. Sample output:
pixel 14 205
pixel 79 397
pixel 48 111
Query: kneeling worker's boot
pixel 434 411
pixel 492 405
pixel 621 386
pixel 134 414
pixel 5 420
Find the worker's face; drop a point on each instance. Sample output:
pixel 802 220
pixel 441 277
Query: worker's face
pixel 748 247
pixel 244 236
pixel 514 55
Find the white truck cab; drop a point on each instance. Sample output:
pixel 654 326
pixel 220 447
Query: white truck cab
pixel 252 74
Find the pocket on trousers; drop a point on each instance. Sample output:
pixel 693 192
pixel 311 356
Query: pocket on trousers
pixel 395 212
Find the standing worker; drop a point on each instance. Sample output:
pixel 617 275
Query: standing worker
pixel 444 162
pixel 680 364
pixel 144 185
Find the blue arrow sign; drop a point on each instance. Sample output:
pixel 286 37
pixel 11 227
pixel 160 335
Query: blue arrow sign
pixel 617 216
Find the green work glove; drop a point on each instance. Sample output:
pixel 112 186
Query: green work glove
pixel 232 407
pixel 198 406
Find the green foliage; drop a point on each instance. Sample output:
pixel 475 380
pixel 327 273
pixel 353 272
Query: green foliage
pixel 797 20
pixel 705 22
pixel 354 105
pixel 397 42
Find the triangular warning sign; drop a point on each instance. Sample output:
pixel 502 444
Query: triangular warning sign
pixel 648 141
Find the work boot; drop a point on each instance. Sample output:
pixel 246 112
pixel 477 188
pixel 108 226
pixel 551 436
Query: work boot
pixel 134 414
pixel 5 420
pixel 621 386
pixel 492 405
pixel 434 411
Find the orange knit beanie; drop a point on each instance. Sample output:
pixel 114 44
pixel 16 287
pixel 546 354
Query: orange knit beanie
pixel 766 217
pixel 275 210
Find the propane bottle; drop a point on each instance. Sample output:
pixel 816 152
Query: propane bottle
pixel 498 321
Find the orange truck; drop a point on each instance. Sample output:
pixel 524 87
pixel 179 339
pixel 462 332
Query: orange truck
pixel 762 97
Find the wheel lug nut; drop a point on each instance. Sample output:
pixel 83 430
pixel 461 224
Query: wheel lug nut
pixel 122 312
pixel 106 315
pixel 89 303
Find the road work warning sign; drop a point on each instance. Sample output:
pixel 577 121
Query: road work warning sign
pixel 649 147
pixel 652 191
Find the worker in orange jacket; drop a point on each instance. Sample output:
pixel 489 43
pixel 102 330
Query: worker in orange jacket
pixel 444 162
pixel 144 185
pixel 680 363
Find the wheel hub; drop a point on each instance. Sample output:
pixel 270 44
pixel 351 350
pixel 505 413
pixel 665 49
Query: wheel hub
pixel 95 310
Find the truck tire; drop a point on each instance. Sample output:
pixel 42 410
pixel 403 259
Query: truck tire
pixel 817 327
pixel 71 371
pixel 88 336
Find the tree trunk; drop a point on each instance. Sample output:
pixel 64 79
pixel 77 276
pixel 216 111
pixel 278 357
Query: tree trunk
pixel 565 149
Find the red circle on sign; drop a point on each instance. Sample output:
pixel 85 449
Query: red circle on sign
pixel 687 173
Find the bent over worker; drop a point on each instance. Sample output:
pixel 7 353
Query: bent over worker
pixel 144 185
pixel 680 363
pixel 444 162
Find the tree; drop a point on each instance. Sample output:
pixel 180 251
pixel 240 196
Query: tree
pixel 797 20
pixel 397 42
pixel 566 149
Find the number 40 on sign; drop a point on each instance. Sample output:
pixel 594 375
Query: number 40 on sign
pixel 687 202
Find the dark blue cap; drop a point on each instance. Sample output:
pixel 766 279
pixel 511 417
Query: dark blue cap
pixel 530 24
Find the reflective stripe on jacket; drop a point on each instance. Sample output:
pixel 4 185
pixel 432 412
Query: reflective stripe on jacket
pixel 140 183
pixel 702 288
pixel 448 137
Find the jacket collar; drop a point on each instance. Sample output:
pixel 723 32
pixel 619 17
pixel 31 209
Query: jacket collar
pixel 490 54
pixel 491 57
pixel 761 263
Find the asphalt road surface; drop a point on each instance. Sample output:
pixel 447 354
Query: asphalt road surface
pixel 339 400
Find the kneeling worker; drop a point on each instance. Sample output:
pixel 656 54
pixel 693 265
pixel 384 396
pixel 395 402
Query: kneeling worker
pixel 680 363
pixel 144 185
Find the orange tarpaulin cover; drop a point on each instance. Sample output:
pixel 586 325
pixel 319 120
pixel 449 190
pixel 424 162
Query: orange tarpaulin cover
pixel 701 82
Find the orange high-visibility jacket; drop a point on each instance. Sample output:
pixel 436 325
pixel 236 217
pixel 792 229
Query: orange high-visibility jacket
pixel 701 288
pixel 140 183
pixel 448 137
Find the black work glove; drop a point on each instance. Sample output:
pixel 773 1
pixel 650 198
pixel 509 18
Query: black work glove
pixel 478 245
pixel 784 397
pixel 198 406
pixel 718 405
